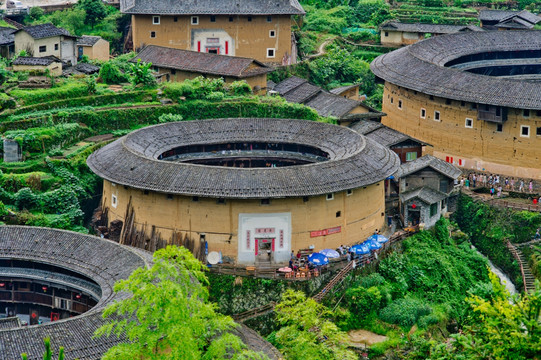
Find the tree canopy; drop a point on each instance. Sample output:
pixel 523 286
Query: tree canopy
pixel 94 9
pixel 168 315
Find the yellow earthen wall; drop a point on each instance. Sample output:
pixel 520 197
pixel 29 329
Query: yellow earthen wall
pixel 480 147
pixel 251 39
pixel 361 213
pixel 55 68
pixel 99 51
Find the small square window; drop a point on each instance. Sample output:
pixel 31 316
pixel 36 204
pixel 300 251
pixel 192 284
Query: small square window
pixel 410 156
pixel 526 113
pixel 270 53
pixel 269 18
pixel 156 20
pixel 212 18
pixel 195 198
pixel 469 123
pixel 431 97
pixel 265 201
pixel 386 33
pixel 173 72
pixel 249 18
pixel 499 127
pixel 330 196
pixel 436 115
pixel 423 113
pixel 272 33
pixel 231 19
pixel 473 106
pixel 43 48
pixel 153 34
pixel 462 103
pixel 56 47
pixel 220 201
pixel 175 19
pixel 538 131
pixel 114 201
pixel 195 20
pixel 146 192
pixel 400 104
pixel 338 213
pixel 524 131
pixel 349 192
pixel 392 100
pixel 169 196
pixel 538 113
pixel 448 101
pixel 305 199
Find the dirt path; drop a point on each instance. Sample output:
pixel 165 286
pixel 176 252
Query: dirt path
pixel 364 338
pixel 321 50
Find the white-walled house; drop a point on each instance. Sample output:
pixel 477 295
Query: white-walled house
pixel 47 40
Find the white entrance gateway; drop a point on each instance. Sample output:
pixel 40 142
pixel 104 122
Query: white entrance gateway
pixel 264 238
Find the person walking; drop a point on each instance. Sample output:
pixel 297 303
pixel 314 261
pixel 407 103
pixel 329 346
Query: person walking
pixel 530 186
pixel 521 186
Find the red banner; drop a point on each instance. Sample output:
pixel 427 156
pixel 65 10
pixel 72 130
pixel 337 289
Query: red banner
pixel 334 230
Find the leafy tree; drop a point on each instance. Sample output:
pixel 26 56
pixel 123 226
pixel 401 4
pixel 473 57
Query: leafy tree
pixel 36 12
pixel 142 74
pixel 498 329
pixel 168 315
pixel 94 9
pixel 72 20
pixel 307 332
pixel 111 74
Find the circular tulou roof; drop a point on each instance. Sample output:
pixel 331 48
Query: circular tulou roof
pixel 103 261
pixel 421 67
pixel 354 160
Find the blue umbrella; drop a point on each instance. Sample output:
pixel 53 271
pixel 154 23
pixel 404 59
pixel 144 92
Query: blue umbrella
pixel 360 249
pixel 330 253
pixel 379 238
pixel 318 259
pixel 374 245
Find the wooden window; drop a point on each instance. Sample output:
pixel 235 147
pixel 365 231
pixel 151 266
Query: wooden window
pixel 499 127
pixel 437 116
pixel 56 47
pixel 526 113
pixel 269 18
pixel 227 47
pixel 271 53
pixel 392 100
pixel 114 201
pixel 175 19
pixel 431 97
pixel 462 103
pixel 386 33
pixel 169 196
pixel 330 196
pixel 538 131
pixel 249 18
pixel 338 213
pixel 212 18
pixel 423 113
pixel 195 20
pixel 538 113
pixel 448 101
pixel 349 192
pixel 153 34
pixel 400 104
pixel 221 201
pixel 156 20
pixel 305 199
pixel 265 201
pixel 195 198
pixel 231 19
pixel 173 72
pixel 410 156
pixel 199 46
pixel 469 123
pixel 272 33
pixel 433 209
pixel 524 131
pixel 43 48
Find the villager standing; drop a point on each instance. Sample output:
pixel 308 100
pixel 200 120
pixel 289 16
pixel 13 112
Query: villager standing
pixel 521 186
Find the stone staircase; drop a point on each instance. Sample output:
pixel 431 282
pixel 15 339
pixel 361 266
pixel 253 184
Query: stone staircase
pixel 527 277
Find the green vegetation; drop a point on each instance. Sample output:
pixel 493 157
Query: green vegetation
pixel 168 315
pixel 48 354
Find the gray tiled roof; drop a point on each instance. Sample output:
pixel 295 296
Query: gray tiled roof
pixel 340 89
pixel 298 90
pixel 10 323
pixel 44 31
pixel 88 40
pixel 425 161
pixel 426 28
pixel 212 7
pixel 425 194
pixel 201 62
pixel 101 260
pixel 6 35
pixel 354 161
pixel 38 61
pixel 421 67
pixel 381 134
pixel 495 15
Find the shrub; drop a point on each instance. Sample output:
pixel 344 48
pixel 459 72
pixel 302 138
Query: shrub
pixel 111 74
pixel 35 96
pixel 215 96
pixel 25 199
pixel 142 74
pixel 240 88
pixel 165 118
pixel 405 312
